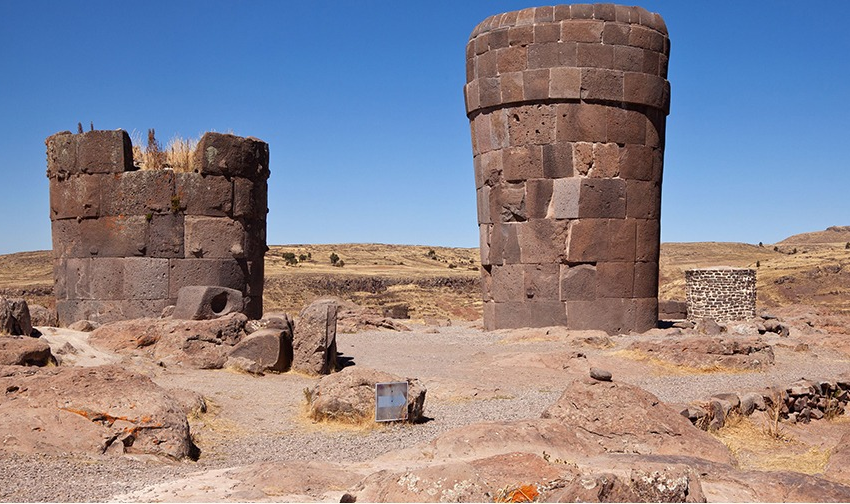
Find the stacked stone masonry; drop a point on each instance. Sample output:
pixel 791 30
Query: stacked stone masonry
pixel 126 240
pixel 567 107
pixel 722 294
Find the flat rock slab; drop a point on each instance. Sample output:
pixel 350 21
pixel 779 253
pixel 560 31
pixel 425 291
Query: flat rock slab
pixel 705 352
pixel 90 410
pixel 24 351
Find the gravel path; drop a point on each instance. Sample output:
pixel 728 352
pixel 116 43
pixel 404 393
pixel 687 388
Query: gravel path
pixel 471 376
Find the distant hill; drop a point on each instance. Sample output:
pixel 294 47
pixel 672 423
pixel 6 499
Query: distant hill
pixel 832 234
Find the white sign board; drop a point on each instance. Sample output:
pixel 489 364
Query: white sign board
pixel 390 401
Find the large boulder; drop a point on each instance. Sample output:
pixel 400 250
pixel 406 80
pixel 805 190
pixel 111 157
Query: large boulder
pixel 91 410
pixel 622 418
pixel 24 351
pixel 201 344
pixel 263 350
pixel 349 396
pixel 15 317
pixel 314 341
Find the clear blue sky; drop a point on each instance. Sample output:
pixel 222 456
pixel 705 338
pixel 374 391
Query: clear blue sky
pixel 361 103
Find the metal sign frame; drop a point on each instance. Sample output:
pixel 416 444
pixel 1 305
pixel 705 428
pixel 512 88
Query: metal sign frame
pixel 391 401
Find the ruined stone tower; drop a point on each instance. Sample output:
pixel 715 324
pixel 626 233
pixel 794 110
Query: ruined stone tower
pixel 567 107
pixel 126 240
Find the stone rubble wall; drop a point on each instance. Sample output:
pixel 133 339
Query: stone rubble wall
pixel 722 294
pixel 567 107
pixel 126 240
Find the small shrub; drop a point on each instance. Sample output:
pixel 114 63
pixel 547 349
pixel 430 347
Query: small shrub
pixel 175 204
pixel 154 157
pixel 290 258
pixel 302 257
pixel 431 254
pixel 776 248
pixel 847 246
pixel 758 264
pixel 340 263
pixel 761 244
pixel 334 258
pixel 452 265
pixel 149 216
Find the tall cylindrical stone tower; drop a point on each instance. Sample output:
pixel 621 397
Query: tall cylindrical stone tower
pixel 126 240
pixel 567 107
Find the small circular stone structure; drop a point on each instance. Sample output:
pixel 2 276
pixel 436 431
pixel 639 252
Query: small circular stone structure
pixel 722 293
pixel 567 107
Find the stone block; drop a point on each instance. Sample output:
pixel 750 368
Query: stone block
pixel 672 309
pixel 511 87
pixel 138 193
pixel 231 156
pixel 78 279
pixel 615 34
pixel 507 203
pixel 203 195
pixel 582 157
pixel 620 235
pixel 542 240
pixel 529 313
pixel 76 196
pixel 538 195
pixel 60 291
pixel 646 38
pixel 499 128
pixel 489 92
pixel 647 240
pixel 541 282
pixel 588 240
pixel 606 161
pixel 485 65
pixel 314 342
pixel 565 198
pixel 644 89
pixel 484 240
pixel 577 283
pixel 482 137
pixel 531 124
pixel 67 241
pixel 220 272
pixel 626 126
pixel 114 236
pixel 214 237
pixel 543 56
pixel 558 160
pixel 512 59
pixel 581 122
pixel 102 151
pixel 582 30
pixel 106 277
pixel 254 239
pixel 61 155
pixel 136 308
pixel 612 315
pixel 602 83
pixel 643 199
pixel 145 278
pixel 491 167
pixel 471 95
pixel 594 55
pixel 565 83
pixel 628 59
pixel 522 163
pixel 645 314
pixel 615 279
pixel 482 199
pixel 203 302
pixel 165 235
pixel 602 198
pixel 508 283
pixel 636 162
pixel 646 280
pixel 535 83
pixel 486 283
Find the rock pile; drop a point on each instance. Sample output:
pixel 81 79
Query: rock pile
pixel 801 401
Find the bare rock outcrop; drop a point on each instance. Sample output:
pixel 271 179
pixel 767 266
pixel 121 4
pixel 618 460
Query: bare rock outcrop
pixel 736 352
pixel 42 316
pixel 15 317
pixel 314 341
pixel 264 350
pixel 202 344
pixel 349 396
pixel 91 410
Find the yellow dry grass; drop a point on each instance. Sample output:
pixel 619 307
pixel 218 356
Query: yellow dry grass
pixel 755 449
pixel 176 156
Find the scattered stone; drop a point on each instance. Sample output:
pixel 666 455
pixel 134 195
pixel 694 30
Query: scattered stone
pixel 349 396
pixel 41 316
pixel 751 402
pixel 693 412
pixel 704 352
pixel 437 321
pixel 206 302
pixel 15 317
pixel 731 398
pixel 600 374
pixel 774 326
pixel 270 321
pixel 362 319
pixel 25 351
pixel 264 350
pixel 192 403
pixel 672 309
pixel 167 312
pixel 708 327
pixel 84 326
pixel 397 311
pixel 314 341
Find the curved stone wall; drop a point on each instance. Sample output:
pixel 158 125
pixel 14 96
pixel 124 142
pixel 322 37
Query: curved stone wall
pixel 126 240
pixel 567 107
pixel 723 294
